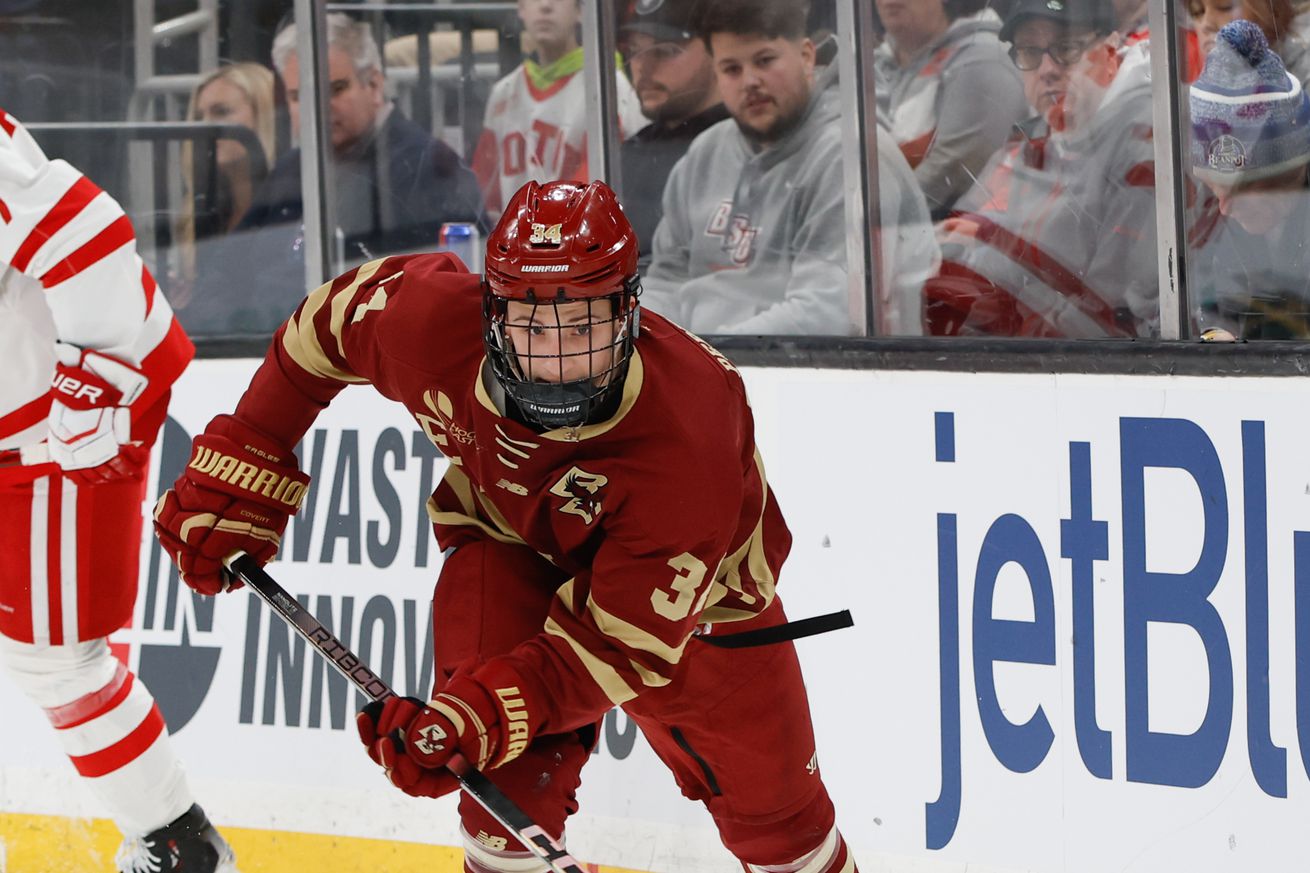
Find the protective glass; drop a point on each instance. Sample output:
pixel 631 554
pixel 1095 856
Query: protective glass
pixel 1065 52
pixel 658 53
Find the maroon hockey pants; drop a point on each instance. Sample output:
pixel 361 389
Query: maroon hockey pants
pixel 733 727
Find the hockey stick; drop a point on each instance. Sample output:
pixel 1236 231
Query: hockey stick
pixel 348 664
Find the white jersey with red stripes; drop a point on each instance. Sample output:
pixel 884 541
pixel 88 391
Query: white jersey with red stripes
pixel 70 272
pixel 69 553
pixel 540 134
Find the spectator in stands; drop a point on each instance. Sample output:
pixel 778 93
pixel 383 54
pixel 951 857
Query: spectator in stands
pixel 393 184
pixel 1274 17
pixel 1250 274
pixel 1058 236
pixel 217 192
pixel 753 234
pixel 947 89
pixel 673 75
pixel 753 237
pixel 536 122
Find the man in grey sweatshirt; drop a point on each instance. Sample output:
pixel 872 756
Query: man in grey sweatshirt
pixel 753 238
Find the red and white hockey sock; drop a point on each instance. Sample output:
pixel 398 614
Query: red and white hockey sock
pixel 832 856
pixel 110 728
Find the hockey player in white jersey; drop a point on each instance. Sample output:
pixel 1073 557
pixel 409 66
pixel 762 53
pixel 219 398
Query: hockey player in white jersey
pixel 89 348
pixel 536 123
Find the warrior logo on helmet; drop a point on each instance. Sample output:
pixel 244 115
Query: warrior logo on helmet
pixel 582 490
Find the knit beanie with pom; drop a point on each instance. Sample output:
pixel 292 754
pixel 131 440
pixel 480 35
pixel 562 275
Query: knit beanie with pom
pixel 1250 117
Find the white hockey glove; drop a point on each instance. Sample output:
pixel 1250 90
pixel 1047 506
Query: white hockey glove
pixel 90 423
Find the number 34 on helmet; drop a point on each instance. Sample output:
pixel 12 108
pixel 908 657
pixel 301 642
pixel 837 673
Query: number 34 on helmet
pixel 560 303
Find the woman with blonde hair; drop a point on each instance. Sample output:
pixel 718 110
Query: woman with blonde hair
pixel 239 93
pixel 1273 17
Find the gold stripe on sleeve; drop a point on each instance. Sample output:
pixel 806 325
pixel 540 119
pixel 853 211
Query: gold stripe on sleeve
pixel 341 301
pixel 473 509
pixel 632 636
pixel 650 678
pixel 751 554
pixel 605 676
pixel 459 519
pixel 491 512
pixel 467 515
pixel 301 339
pixel 463 488
pixel 765 582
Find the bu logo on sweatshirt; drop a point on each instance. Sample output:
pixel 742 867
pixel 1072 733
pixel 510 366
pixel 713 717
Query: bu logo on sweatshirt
pixel 736 231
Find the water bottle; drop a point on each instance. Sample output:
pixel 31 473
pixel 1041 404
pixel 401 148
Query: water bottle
pixel 462 239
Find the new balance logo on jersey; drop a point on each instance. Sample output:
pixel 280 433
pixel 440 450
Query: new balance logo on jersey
pixel 736 230
pixel 516 716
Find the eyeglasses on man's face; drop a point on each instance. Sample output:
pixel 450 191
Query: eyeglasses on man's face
pixel 1065 52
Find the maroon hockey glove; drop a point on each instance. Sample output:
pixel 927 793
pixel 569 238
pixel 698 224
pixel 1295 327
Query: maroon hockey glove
pixel 489 724
pixel 235 495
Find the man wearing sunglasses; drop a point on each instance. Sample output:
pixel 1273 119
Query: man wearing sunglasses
pixel 673 74
pixel 1057 238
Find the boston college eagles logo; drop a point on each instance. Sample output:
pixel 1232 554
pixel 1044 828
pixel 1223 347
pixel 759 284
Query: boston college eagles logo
pixel 581 490
pixel 429 739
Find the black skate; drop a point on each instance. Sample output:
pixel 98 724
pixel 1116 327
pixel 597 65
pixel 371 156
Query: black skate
pixel 188 845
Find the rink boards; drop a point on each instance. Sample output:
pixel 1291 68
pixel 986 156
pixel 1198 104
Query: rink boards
pixel 1082 635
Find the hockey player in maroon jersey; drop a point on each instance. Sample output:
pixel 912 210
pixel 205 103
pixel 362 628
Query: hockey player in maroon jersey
pixel 605 513
pixel 90 349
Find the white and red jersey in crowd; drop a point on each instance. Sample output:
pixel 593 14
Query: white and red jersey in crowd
pixel 536 128
pixel 70 272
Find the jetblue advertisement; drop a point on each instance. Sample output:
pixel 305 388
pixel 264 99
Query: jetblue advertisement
pixel 1082 636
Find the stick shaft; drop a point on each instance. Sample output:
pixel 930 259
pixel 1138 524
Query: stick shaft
pixel 348 664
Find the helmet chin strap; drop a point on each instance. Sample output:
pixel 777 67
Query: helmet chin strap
pixel 558 404
pixel 572 403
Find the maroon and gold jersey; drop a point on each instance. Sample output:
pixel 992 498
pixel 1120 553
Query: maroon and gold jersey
pixel 661 516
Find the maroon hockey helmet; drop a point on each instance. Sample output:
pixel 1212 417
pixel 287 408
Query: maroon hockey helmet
pixel 565 255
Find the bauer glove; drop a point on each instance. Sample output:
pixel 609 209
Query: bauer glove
pixel 90 422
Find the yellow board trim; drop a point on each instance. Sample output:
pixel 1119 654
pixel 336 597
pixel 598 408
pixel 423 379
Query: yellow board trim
pixel 55 844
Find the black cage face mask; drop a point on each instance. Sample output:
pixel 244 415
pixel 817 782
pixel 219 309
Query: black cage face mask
pixel 563 371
